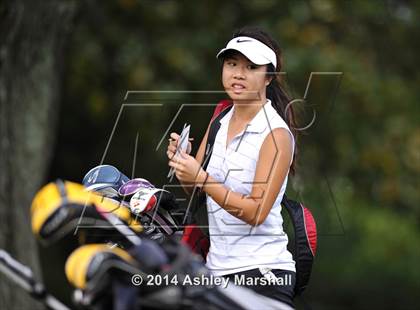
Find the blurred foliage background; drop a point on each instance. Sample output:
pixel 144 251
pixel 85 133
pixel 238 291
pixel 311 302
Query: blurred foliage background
pixel 359 165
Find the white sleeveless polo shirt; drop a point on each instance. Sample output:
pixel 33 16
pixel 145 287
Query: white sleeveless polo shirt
pixel 235 245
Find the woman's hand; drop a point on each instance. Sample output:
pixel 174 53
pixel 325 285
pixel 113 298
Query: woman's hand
pixel 188 169
pixel 173 144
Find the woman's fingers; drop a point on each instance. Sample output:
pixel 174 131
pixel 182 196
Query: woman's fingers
pixel 177 165
pixel 178 175
pixel 178 169
pixel 170 154
pixel 173 142
pixel 175 162
pixel 174 136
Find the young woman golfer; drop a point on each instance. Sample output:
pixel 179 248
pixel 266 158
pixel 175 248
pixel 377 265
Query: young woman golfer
pixel 247 172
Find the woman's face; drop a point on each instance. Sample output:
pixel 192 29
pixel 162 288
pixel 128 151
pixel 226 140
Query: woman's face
pixel 244 80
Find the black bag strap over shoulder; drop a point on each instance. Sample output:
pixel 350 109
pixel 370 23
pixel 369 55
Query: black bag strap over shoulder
pixel 214 128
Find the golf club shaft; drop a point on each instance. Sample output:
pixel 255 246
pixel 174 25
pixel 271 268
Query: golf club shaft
pixel 23 276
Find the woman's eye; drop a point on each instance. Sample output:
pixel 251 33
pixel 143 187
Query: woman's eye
pixel 230 63
pixel 252 67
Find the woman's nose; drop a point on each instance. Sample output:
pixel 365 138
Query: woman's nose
pixel 239 73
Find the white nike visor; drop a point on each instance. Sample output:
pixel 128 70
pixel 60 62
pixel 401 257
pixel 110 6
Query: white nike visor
pixel 256 51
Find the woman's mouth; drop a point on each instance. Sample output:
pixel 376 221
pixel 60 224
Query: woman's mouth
pixel 237 88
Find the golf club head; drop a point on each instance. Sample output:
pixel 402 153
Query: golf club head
pixel 64 208
pixel 93 267
pixel 131 187
pixel 104 179
pixel 89 265
pixel 153 204
pixel 148 204
pixel 96 271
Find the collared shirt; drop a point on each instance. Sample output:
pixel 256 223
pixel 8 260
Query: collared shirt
pixel 235 245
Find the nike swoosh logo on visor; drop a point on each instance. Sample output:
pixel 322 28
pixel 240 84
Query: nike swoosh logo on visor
pixel 240 41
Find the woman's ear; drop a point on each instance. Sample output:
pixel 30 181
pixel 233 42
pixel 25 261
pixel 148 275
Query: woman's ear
pixel 268 80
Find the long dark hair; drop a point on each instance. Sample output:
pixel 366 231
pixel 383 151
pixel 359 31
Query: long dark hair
pixel 275 91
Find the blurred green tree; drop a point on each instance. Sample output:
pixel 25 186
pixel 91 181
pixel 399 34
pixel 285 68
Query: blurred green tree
pixel 32 49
